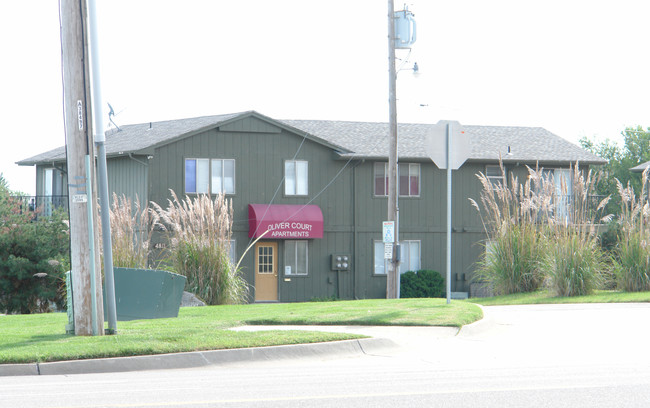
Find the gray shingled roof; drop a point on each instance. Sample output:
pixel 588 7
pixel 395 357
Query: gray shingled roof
pixel 143 136
pixel 640 168
pixel 527 144
pixel 361 139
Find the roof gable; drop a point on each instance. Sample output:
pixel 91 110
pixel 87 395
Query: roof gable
pixel 251 124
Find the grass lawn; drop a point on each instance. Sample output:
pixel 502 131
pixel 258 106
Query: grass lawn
pixel 544 296
pixel 41 337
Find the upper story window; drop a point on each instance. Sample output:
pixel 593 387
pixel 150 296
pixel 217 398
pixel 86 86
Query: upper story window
pixel 210 175
pixel 563 180
pixel 494 174
pixel 223 176
pixel 409 179
pixel 296 177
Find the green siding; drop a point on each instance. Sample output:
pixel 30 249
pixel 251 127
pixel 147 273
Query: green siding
pixel 259 171
pixel 344 192
pixel 128 176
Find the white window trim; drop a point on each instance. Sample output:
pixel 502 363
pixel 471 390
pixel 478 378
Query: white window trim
pixel 494 179
pixel 295 261
pixel 419 256
pixel 210 162
pixel 232 251
pixel 223 178
pixel 298 178
pixel 374 258
pixel 375 249
pixel 386 175
pixel 419 171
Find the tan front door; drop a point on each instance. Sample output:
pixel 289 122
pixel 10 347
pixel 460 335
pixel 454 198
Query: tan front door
pixel 266 271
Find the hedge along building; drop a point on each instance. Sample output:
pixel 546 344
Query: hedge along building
pixel 320 190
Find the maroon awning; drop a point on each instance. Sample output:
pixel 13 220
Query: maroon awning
pixel 284 221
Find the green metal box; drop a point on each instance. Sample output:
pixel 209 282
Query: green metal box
pixel 146 293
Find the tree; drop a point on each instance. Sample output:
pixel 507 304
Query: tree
pixel 34 256
pixel 620 158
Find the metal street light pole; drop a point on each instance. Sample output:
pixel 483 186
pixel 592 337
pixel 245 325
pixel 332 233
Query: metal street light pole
pixel 392 270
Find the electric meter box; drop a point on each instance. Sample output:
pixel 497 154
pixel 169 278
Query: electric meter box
pixel 341 262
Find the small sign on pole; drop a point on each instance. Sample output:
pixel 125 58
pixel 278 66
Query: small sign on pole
pixel 388 231
pixel 388 250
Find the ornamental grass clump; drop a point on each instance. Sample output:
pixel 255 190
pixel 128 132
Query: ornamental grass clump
pixel 632 263
pixel 132 227
pixel 514 246
pixel 541 232
pixel 199 233
pixel 575 263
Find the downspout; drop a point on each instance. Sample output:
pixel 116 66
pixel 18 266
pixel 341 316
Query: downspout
pixel 136 160
pixel 355 231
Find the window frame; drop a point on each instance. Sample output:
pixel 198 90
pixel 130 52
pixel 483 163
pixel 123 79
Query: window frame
pixel 232 251
pixel 378 247
pixel 212 164
pixel 403 251
pixel 294 263
pixel 410 166
pixel 222 164
pixel 495 180
pixel 300 179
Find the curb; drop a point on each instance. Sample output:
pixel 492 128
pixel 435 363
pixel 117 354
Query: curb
pixel 480 326
pixel 197 359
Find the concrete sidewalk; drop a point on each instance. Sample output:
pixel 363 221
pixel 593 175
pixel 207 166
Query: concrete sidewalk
pixel 383 339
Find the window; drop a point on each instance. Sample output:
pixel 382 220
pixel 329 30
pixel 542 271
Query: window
pixel 201 179
pixel 563 192
pixel 232 251
pixel 54 196
pixel 381 179
pixel 561 186
pixel 410 257
pixel 380 262
pixel 296 177
pixel 295 257
pixel 410 252
pixel 223 176
pixel 409 179
pixel 494 174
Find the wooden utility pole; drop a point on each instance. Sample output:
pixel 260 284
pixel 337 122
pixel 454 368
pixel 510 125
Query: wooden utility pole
pixel 392 270
pixel 84 253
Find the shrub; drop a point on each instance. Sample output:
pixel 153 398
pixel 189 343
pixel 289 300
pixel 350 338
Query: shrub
pixel 423 284
pixel 33 259
pixel 575 265
pixel 199 233
pixel 512 260
pixel 632 261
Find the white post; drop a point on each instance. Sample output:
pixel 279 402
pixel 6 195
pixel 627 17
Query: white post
pixel 449 132
pixel 102 180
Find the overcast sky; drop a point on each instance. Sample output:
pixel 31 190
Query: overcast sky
pixel 577 68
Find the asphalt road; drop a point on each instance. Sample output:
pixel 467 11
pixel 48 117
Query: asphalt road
pixel 523 356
